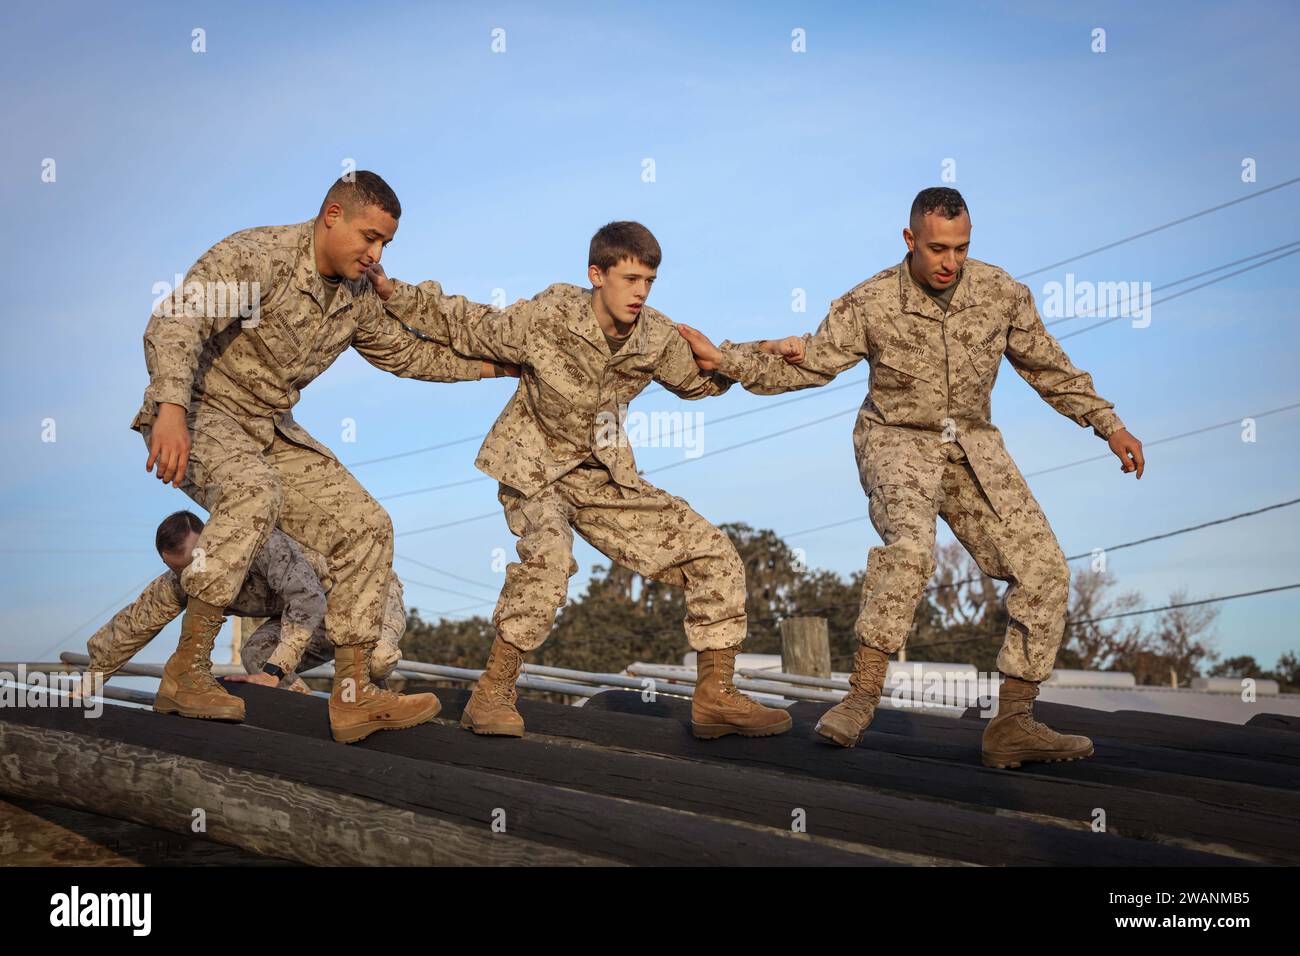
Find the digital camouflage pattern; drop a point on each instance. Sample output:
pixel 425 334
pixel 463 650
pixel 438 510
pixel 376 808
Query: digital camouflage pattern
pixel 565 462
pixel 251 466
pixel 287 584
pixel 653 533
pixel 285 581
pixel 925 445
pixel 267 643
pixel 573 394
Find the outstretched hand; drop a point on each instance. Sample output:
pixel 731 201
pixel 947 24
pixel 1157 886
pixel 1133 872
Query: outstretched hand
pixel 1128 450
pixel 707 355
pixel 790 348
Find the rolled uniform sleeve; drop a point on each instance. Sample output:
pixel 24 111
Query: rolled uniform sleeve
pixel 131 628
pixel 382 341
pixel 290 575
pixel 472 329
pixel 839 343
pixel 1038 358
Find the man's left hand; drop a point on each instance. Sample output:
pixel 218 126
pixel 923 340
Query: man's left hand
pixel 266 680
pixel 1128 450
pixel 379 279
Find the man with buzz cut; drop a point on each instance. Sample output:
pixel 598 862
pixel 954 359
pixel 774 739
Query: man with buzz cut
pixel 286 583
pixel 259 316
pixel 934 329
pixel 564 464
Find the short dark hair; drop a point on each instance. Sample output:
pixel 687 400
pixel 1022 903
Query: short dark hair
pixel 616 241
pixel 939 199
pixel 175 528
pixel 363 189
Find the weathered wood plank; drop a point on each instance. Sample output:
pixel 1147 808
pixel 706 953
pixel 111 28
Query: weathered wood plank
pixel 535 813
pixel 1182 818
pixel 263 813
pixel 830 810
pixel 35 833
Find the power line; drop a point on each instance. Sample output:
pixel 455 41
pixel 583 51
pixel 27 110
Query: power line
pixel 994 634
pixel 1072 464
pixel 1161 441
pixel 1147 232
pixel 820 420
pixel 753 441
pixel 116 603
pixel 1176 295
pixel 1195 275
pixel 1172 607
pixel 1088 554
pixel 449 574
pixel 767 406
pixel 1022 276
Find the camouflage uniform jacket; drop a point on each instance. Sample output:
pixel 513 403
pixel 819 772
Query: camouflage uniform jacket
pixel 931 374
pixel 246 332
pixel 572 397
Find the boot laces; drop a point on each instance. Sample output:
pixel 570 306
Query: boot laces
pixel 504 690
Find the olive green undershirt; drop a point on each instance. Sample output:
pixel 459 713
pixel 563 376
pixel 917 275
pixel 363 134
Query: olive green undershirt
pixel 331 287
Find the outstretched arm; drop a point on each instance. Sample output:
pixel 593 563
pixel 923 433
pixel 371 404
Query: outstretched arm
pixel 678 371
pixel 136 624
pixel 1038 358
pixel 773 366
pixel 472 329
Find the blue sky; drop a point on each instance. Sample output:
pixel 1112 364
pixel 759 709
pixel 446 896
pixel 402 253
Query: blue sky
pixel 774 170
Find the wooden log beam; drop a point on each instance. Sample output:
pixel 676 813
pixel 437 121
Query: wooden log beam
pixel 926 831
pixel 537 817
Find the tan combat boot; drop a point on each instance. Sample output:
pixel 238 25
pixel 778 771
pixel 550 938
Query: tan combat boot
pixel 491 708
pixel 718 708
pixel 846 722
pixel 358 708
pixel 187 686
pixel 1013 737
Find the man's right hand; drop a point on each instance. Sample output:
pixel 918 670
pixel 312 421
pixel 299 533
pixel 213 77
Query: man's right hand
pixel 169 444
pixel 790 348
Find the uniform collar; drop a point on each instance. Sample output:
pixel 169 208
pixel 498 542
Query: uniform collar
pixel 913 298
pixel 306 276
pixel 585 324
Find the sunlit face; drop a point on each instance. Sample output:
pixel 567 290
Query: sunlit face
pixel 939 247
pixel 623 288
pixel 353 243
pixel 180 559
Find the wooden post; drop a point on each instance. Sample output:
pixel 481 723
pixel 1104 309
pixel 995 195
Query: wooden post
pixel 806 646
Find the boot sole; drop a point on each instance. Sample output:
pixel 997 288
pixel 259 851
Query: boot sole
pixel 491 730
pixel 844 740
pixel 165 705
pixel 353 735
pixel 714 731
pixel 1013 760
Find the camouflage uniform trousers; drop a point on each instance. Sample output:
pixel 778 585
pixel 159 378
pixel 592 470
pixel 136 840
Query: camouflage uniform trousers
pixel 1019 548
pixel 248 490
pixel 257 649
pixel 649 531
